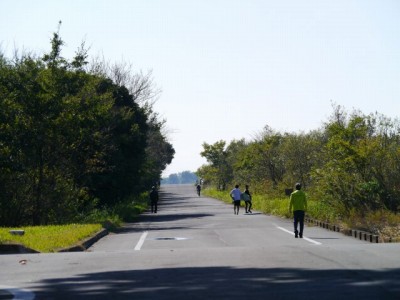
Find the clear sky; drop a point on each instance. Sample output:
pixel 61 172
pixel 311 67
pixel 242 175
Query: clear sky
pixel 227 68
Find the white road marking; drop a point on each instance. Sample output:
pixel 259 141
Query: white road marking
pixel 18 294
pixel 304 238
pixel 141 241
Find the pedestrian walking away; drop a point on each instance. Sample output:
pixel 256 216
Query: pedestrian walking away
pixel 236 196
pixel 298 205
pixel 154 199
pixel 247 199
pixel 198 188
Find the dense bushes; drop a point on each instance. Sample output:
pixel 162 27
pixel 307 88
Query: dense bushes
pixel 351 164
pixel 73 138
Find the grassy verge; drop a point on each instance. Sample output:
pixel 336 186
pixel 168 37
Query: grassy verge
pixel 54 237
pixel 50 238
pixel 384 223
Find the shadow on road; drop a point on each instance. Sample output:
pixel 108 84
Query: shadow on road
pixel 172 217
pixel 225 283
pixel 172 197
pixel 154 219
pixel 174 203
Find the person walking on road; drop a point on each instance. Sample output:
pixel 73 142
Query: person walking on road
pixel 198 188
pixel 154 199
pixel 247 199
pixel 298 204
pixel 236 196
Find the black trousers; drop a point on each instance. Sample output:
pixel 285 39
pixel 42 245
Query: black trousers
pixel 298 216
pixel 153 206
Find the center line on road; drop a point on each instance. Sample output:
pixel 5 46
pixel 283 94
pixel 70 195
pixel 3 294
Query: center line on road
pixel 141 241
pixel 304 238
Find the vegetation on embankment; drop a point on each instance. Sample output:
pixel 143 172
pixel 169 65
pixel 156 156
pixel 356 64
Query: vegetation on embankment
pixel 53 238
pixel 384 223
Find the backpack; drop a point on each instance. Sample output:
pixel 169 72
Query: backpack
pixel 245 197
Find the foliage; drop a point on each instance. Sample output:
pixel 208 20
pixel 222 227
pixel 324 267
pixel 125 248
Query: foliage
pixel 74 139
pixel 132 207
pixel 360 170
pixel 350 164
pixel 217 155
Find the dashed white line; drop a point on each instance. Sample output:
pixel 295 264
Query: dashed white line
pixel 304 238
pixel 141 241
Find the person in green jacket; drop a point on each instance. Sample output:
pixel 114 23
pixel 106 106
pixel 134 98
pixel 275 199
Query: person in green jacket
pixel 298 204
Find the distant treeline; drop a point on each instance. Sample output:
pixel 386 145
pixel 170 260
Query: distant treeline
pixel 180 178
pixel 74 136
pixel 351 163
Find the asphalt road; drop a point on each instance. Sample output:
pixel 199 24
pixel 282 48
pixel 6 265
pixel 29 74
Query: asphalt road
pixel 196 248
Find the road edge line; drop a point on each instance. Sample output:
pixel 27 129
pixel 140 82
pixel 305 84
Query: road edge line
pixel 304 238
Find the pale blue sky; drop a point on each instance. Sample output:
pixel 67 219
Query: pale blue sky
pixel 227 68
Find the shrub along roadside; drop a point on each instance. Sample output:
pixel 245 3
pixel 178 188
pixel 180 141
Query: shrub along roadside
pixel 383 223
pixel 54 237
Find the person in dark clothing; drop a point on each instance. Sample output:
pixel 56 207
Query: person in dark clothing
pixel 198 188
pixel 247 199
pixel 153 199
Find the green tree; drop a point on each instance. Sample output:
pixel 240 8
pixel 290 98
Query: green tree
pixel 159 152
pixel 358 156
pixel 301 153
pixel 71 140
pixel 216 155
pixel 268 160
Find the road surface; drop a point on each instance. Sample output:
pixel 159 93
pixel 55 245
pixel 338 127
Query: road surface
pixel 196 248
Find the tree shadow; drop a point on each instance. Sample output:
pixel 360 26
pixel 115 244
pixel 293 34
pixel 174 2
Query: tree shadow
pixel 151 221
pixel 165 196
pixel 173 217
pixel 225 283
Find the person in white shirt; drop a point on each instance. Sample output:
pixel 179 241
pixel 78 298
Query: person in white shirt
pixel 236 195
